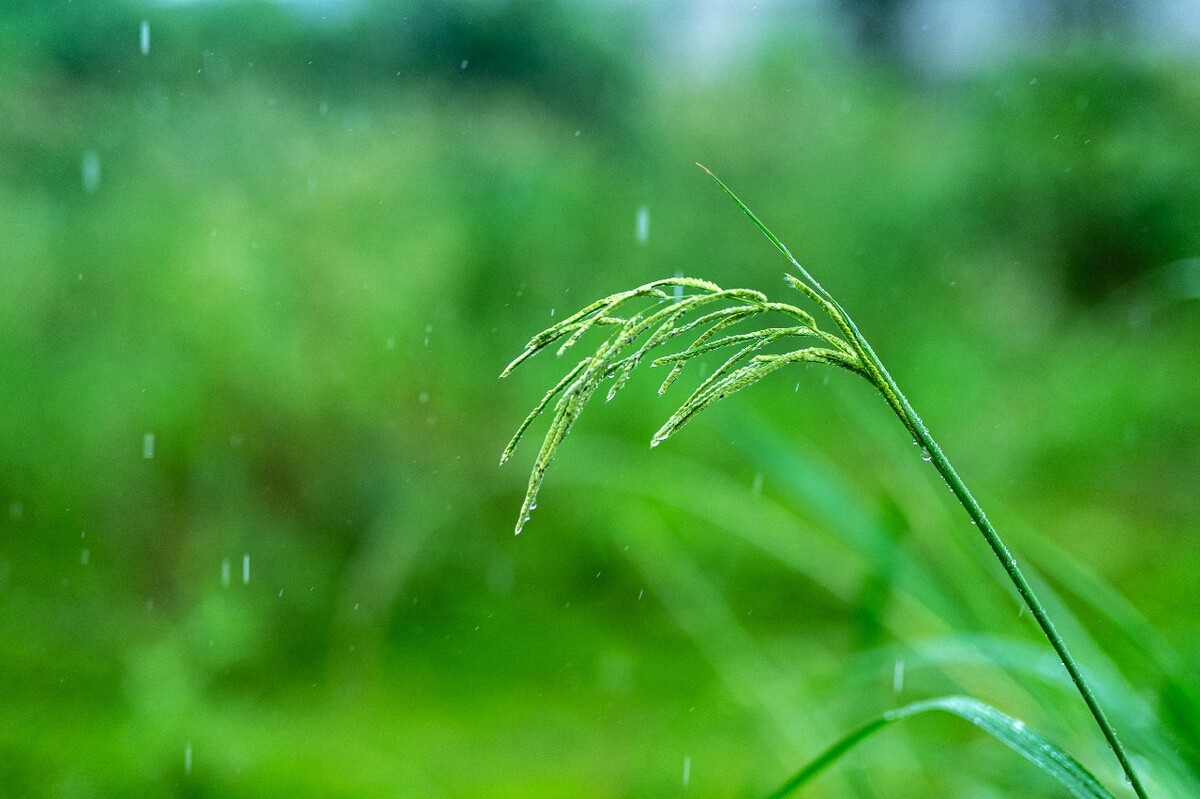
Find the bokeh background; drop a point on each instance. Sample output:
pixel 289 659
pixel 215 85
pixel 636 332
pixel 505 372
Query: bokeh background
pixel 261 264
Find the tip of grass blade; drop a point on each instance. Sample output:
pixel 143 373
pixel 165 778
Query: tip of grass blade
pixel 779 245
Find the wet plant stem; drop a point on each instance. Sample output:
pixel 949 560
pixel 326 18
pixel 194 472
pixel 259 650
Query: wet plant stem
pixel 872 368
pixel 930 449
pixel 713 310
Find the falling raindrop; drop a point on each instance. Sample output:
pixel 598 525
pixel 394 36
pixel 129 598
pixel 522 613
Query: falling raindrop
pixel 148 446
pixel 898 676
pixel 464 63
pixel 144 38
pixel 687 771
pixel 642 226
pixel 246 569
pixel 85 557
pixel 187 758
pixel 89 171
pixel 225 571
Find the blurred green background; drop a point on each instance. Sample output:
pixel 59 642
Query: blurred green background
pixel 261 264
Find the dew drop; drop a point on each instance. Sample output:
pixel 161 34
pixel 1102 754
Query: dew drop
pixel 925 456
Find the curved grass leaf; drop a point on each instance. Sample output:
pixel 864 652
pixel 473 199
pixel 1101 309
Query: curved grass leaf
pixel 1009 731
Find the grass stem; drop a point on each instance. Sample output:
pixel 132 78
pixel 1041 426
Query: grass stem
pixel 877 374
pixel 1009 564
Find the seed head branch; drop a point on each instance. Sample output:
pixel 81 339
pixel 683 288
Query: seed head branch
pixel 651 318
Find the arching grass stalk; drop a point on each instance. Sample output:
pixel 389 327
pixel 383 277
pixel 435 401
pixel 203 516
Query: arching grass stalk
pixel 655 317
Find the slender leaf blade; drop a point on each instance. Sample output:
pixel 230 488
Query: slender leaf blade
pixel 1009 731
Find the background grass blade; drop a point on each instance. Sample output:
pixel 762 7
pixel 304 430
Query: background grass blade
pixel 1009 731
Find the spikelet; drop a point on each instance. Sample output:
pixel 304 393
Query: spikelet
pixel 649 318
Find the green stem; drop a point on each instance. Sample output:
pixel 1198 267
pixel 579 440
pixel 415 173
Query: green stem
pixel 874 371
pixel 900 405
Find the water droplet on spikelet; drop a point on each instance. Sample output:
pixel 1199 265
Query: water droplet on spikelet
pixel 925 456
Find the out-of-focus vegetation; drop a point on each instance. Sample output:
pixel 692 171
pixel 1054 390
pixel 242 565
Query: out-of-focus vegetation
pixel 256 285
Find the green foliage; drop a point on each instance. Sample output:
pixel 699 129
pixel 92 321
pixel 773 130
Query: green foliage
pixel 854 353
pixel 302 278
